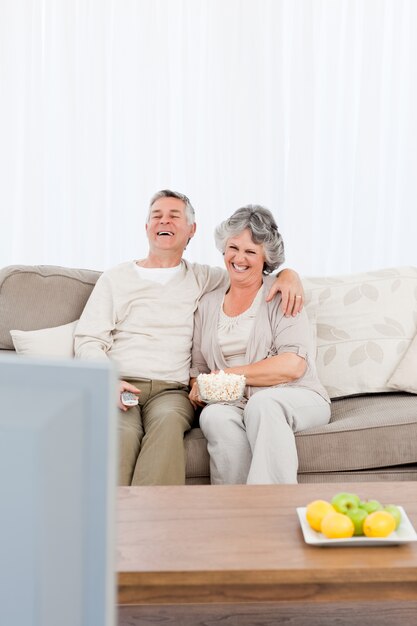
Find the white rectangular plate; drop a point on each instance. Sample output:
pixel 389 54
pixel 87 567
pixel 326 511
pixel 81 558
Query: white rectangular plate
pixel 405 533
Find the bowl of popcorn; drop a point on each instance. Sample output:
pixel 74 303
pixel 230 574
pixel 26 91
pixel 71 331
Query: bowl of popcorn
pixel 221 387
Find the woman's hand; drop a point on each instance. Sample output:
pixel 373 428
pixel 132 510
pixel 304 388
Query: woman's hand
pixel 124 386
pixel 292 293
pixel 195 397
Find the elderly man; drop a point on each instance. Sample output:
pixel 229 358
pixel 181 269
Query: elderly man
pixel 140 315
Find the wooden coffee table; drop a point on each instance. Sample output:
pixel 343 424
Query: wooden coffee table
pixel 186 554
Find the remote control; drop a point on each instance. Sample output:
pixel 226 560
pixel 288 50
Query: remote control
pixel 129 399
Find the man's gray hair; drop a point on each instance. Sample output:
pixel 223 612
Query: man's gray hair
pixel 263 229
pixel 168 193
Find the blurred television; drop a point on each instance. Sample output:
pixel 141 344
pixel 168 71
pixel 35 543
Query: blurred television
pixel 57 492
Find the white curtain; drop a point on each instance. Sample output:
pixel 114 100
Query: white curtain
pixel 306 106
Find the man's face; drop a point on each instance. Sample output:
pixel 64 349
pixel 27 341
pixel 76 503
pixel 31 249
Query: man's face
pixel 168 228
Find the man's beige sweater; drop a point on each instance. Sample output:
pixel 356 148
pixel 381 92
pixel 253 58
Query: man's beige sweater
pixel 145 328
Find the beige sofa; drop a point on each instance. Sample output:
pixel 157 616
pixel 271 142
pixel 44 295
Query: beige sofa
pixel 364 325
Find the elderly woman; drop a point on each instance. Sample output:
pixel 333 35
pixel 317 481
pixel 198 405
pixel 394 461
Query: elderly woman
pixel 252 441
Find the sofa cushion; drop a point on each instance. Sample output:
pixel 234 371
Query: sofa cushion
pixel 197 457
pixel 405 375
pixel 365 323
pixel 42 296
pixel 396 472
pixel 48 342
pixel 365 433
pixel 376 430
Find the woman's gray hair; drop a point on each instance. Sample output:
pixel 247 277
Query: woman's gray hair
pixel 264 231
pixel 167 193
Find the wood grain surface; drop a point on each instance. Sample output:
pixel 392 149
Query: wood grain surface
pixel 243 544
pixel 271 614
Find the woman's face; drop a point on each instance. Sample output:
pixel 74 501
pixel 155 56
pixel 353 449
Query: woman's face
pixel 244 259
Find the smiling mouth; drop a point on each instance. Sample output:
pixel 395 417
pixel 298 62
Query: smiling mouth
pixel 165 233
pixel 239 268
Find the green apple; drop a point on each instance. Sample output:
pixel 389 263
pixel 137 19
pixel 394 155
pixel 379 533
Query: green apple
pixel 344 502
pixel 357 516
pixel 395 512
pixel 371 505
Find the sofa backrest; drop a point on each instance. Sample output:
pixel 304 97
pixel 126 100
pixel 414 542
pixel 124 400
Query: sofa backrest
pixel 364 323
pixel 41 296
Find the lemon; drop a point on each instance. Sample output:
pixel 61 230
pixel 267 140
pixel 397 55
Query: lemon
pixel 379 524
pixel 315 512
pixel 337 526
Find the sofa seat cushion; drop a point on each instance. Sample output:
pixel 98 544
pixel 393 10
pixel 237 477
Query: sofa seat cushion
pixel 376 430
pixel 197 457
pixel 383 474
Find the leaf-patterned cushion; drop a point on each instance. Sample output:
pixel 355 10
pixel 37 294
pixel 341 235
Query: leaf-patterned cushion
pixel 365 324
pixel 405 375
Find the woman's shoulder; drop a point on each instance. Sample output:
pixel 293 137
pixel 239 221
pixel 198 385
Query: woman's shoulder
pixel 268 280
pixel 211 299
pixel 273 305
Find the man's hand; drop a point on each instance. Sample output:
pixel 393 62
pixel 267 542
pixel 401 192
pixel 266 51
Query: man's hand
pixel 124 386
pixel 289 284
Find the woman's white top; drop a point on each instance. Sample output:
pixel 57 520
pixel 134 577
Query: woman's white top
pixel 233 332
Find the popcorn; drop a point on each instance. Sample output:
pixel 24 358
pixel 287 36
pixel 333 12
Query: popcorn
pixel 221 387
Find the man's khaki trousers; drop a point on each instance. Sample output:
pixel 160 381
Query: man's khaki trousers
pixel 151 435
